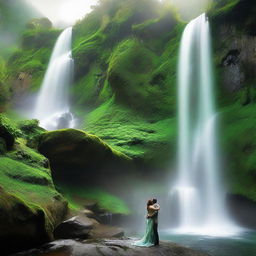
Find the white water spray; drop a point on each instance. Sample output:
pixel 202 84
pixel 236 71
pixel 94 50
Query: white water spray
pixel 198 190
pixel 53 106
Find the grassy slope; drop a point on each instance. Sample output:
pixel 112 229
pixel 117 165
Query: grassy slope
pixel 130 82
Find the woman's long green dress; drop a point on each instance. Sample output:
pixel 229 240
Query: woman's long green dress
pixel 149 238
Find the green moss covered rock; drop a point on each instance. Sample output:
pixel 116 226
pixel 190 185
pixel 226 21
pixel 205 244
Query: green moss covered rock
pixel 78 156
pixel 8 131
pixel 30 206
pixel 150 142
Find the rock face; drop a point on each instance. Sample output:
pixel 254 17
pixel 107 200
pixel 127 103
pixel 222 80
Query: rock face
pixel 239 63
pixel 77 156
pixel 110 247
pixel 243 210
pixel 234 45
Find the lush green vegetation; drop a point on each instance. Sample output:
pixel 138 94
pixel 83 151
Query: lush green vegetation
pixel 77 197
pixel 26 183
pixel 126 60
pixel 125 93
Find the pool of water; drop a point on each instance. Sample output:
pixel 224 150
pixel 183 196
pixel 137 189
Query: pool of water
pixel 241 244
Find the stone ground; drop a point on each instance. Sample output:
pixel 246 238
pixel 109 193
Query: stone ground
pixel 109 247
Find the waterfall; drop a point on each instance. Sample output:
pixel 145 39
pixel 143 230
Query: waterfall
pixel 52 108
pixel 198 193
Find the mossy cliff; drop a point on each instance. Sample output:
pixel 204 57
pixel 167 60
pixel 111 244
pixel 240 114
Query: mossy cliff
pixel 126 55
pixel 29 203
pixel 234 39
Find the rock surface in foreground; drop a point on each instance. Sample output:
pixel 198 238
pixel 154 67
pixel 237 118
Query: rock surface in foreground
pixel 109 247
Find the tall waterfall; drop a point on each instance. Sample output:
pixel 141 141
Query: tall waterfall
pixel 52 106
pixel 198 190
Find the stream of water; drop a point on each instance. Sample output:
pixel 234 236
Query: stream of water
pixel 197 194
pixel 52 107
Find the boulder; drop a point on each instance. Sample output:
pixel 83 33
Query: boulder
pixel 8 131
pixel 105 231
pixel 76 227
pixel 79 157
pixel 23 225
pixel 30 207
pixel 88 213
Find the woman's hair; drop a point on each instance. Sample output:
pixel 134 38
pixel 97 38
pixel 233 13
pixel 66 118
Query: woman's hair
pixel 149 203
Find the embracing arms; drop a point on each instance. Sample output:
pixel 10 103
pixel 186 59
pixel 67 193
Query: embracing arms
pixel 153 210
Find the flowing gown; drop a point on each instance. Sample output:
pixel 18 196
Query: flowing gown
pixel 149 237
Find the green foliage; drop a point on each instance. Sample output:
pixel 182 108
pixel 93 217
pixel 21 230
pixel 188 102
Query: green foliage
pixel 87 89
pixel 54 142
pixel 9 125
pixel 39 38
pixel 129 71
pixel 8 131
pixel 39 23
pixel 126 58
pixel 85 54
pixel 239 141
pixel 223 7
pixel 31 188
pixel 4 90
pixel 21 152
pixel 30 131
pixel 78 196
pixel 33 62
pixel 24 175
pixel 26 181
pixel 240 13
pixel 127 131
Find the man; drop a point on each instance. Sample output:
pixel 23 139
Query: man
pixel 155 219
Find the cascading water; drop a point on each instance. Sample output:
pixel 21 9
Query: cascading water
pixel 52 107
pixel 198 191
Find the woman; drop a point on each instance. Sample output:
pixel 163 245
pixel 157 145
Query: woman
pixel 149 239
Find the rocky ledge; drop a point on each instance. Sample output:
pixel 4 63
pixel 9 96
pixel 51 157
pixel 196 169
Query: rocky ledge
pixel 109 247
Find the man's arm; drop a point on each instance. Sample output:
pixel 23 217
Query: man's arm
pixel 155 207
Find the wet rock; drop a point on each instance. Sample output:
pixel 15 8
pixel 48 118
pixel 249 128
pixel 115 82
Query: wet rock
pixel 243 210
pixel 76 227
pixel 110 247
pixel 88 213
pixel 105 231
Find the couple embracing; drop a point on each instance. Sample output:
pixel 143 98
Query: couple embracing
pixel 151 237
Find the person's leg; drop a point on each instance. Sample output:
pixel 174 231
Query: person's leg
pixel 156 234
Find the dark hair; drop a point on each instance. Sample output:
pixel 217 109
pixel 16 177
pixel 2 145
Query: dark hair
pixel 154 200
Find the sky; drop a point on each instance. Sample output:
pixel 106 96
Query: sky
pixel 63 13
